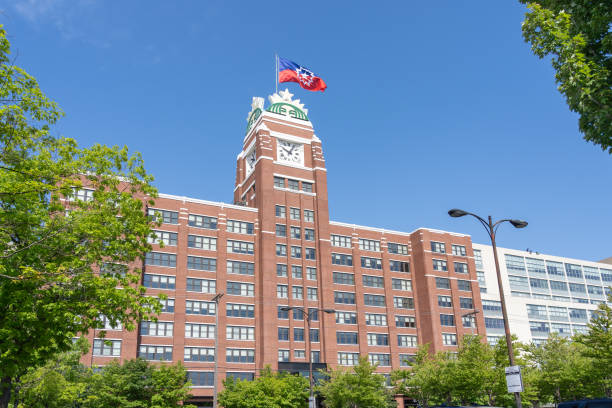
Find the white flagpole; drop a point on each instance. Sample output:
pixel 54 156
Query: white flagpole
pixel 276 72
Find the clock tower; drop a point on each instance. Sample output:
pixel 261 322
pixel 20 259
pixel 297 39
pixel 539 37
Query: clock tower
pixel 281 172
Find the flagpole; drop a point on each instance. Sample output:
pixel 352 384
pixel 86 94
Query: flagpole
pixel 276 72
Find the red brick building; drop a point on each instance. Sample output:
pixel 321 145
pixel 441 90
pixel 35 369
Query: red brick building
pixel 274 247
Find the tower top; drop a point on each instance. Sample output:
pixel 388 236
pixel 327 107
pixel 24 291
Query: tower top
pixel 281 103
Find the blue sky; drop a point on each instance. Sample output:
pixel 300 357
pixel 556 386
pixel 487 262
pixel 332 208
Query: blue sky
pixel 430 105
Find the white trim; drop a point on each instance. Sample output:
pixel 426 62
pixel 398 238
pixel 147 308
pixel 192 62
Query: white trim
pixel 289 138
pixel 295 191
pixel 383 230
pixel 206 202
pixel 296 166
pixel 293 178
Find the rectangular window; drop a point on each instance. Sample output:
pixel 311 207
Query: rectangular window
pixel 405 340
pixel 341 241
pixel 297 292
pixel 460 267
pixel 281 250
pixel 200 307
pixel 201 221
pixel 348 359
pixel 296 252
pixel 298 314
pixel 515 264
pixel 407 360
pixel 282 291
pixel 280 211
pixel 279 182
pixel 346 338
pixel 558 286
pixel 240 310
pixel 240 333
pixel 494 323
pixel 282 313
pixel 315 356
pixel 283 355
pixel 294 213
pixel 405 321
pixel 240 247
pixel 206 354
pixel 165 216
pixel 369 245
pixel 200 331
pixel 240 268
pixel 296 272
pixel 308 216
pixel 293 184
pixel 371 263
pixel 401 284
pixel 447 320
pixel 281 230
pixel 378 339
pixel 312 293
pixel 314 335
pixel 298 334
pixel 296 233
pixel 310 254
pixel 464 285
pixel 577 288
pixel 102 348
pixel 201 285
pixel 445 301
pixel 467 303
pixel 240 227
pixel 538 283
pixel 311 273
pixel 108 325
pixel 403 302
pixel 438 247
pixel 578 315
pixel 381 359
pixel 449 339
pixel 439 265
pixel 374 300
pixel 478 259
pixel 309 234
pixel 159 281
pixel 281 270
pixel 314 314
pixel 539 328
pixel 201 378
pixel 374 319
pixel 347 298
pixel 160 259
pixel 535 266
pixel 346 318
pixel 200 242
pixel 342 259
pixel 160 329
pixel 442 283
pixel 163 237
pixel 399 266
pixel 240 289
pixel 201 264
pixel 240 355
pixel 459 250
pixel 373 281
pixel 554 268
pixel 398 249
pixel 306 187
pixel 167 305
pixel 573 271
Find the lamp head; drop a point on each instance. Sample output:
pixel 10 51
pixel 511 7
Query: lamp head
pixel 286 308
pixel 329 310
pixel 518 223
pixel 455 212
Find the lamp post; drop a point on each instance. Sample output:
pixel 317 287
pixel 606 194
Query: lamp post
pixel 491 228
pixel 472 313
pixel 216 299
pixel 308 315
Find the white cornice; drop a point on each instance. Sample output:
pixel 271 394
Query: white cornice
pixel 386 231
pixel 206 202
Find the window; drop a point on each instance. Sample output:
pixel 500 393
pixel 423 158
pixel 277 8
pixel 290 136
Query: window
pixel 280 211
pixel 557 313
pixel 378 339
pixel 374 319
pixel 468 303
pixel 298 314
pixel 201 378
pixel 458 250
pixel 306 187
pixel 405 340
pixel 296 233
pixel 200 242
pixel 342 278
pixel 561 328
pixel 199 354
pixel 399 266
pixel 315 356
pixel 405 321
pixel 464 285
pixel 478 259
pixel 406 360
pixel 373 281
pixel 279 182
pixel 539 328
pixel 240 227
pixel 240 333
pixel 281 270
pixel 348 359
pixel 445 301
pixel 606 275
pixel 107 348
pixel 239 247
pixel 447 320
pixel 577 288
pixel 165 237
pixel 515 264
pixel 282 291
pixel 401 284
pixel 308 216
pixel 578 315
pixel 310 253
pixel 403 302
pixel 167 305
pixel 371 263
pixel 240 310
pixel 554 268
pixel 113 270
pixel 281 230
pixel 240 355
pixel 494 323
pixel 311 273
pixel 296 252
pixel 282 313
pixel 341 241
pixel 397 248
pixel 201 221
pixel 161 329
pixel 314 314
pixel 200 307
pixel 160 259
pixel 374 300
pixel 314 335
pixel 312 294
pixel 309 234
pixel 438 247
pixel 481 279
pixel 593 290
pixel 240 268
pixel 297 292
pixel 159 281
pixel 200 331
pixel 342 259
pixel 155 353
pixel 283 355
pixel 298 334
pixel 201 285
pixel 347 298
pixel 108 325
pixel 346 318
pixel 165 216
pixel 442 283
pixel 296 272
pixel 294 213
pixel 439 265
pixel 281 250
pixel 518 283
pixel 535 266
pixel 460 267
pixel 293 184
pixel 449 339
pixel 381 359
pixel 240 289
pixel 573 271
pixel 201 264
pixel 299 354
pixel 369 245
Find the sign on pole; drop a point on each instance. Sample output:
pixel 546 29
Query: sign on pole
pixel 312 402
pixel 514 380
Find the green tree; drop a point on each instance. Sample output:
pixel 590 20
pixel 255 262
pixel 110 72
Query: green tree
pixel 420 382
pixel 269 390
pixel 475 361
pixel 359 387
pixel 50 289
pixel 576 34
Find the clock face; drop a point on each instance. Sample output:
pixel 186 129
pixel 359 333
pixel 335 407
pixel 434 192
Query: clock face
pixel 250 160
pixel 290 152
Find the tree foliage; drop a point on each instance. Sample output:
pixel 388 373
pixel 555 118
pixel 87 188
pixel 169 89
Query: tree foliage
pixel 269 390
pixel 576 34
pixel 359 387
pixel 50 289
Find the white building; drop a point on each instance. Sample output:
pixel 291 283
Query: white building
pixel 544 293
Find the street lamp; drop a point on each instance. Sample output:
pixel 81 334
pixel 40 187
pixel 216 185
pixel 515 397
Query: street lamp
pixel 308 316
pixel 491 228
pixel 216 299
pixel 472 313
